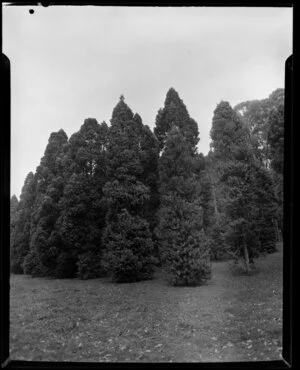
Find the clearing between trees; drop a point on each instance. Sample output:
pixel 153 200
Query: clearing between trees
pixel 230 318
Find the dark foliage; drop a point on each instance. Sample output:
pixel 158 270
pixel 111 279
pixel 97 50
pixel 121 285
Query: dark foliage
pixel 129 248
pixel 90 266
pixel 118 200
pixel 20 224
pixel 44 239
pixel 82 206
pixel 175 113
pixel 183 245
pixel 250 206
pixel 127 238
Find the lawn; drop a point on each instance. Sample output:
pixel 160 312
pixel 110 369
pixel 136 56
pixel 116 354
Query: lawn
pixel 231 318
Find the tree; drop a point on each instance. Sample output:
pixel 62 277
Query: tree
pixel 250 211
pixel 183 244
pixel 149 154
pixel 276 138
pixel 175 113
pixel 82 206
pixel 127 237
pixel 230 138
pixel 129 248
pixel 249 200
pixel 20 224
pixel 13 205
pixel 255 114
pixel 45 242
pixel 207 199
pixel 13 212
pixel 266 121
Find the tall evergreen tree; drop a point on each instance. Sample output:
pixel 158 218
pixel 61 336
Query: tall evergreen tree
pixel 207 199
pixel 175 113
pixel 13 212
pixel 265 119
pixel 180 232
pixel 127 237
pixel 249 191
pixel 45 242
pixel 13 205
pixel 149 154
pixel 20 224
pixel 214 194
pixel 83 209
pixel 230 138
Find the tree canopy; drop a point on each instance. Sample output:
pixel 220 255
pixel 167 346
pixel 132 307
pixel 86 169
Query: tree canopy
pixel 117 199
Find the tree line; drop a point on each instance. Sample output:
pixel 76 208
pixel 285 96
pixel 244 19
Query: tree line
pixel 119 200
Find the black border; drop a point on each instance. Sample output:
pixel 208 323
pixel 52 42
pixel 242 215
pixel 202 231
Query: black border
pixel 5 204
pixel 288 201
pixel 287 211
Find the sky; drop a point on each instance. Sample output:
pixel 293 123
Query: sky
pixel 72 63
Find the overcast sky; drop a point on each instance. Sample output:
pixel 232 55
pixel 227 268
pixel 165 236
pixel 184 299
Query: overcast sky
pixel 71 63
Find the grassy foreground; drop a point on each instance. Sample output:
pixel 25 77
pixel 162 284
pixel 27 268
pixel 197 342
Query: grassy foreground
pixel 231 318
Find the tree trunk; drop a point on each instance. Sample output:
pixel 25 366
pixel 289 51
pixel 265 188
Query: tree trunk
pixel 246 258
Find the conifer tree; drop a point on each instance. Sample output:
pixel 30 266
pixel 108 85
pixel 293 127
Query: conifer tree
pixel 127 237
pixel 13 206
pixel 249 203
pixel 175 113
pixel 13 212
pixel 265 118
pixel 214 194
pixel 180 232
pixel 149 154
pixel 45 242
pixel 83 209
pixel 20 224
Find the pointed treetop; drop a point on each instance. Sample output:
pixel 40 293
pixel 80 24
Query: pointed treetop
pixel 138 120
pixel 122 98
pixel 173 97
pixel 229 133
pixel 121 113
pixel 175 113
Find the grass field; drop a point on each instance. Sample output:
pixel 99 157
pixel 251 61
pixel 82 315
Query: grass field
pixel 231 318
